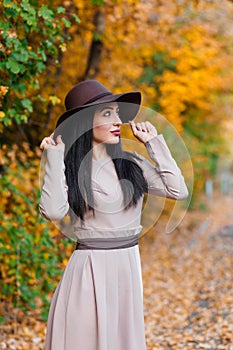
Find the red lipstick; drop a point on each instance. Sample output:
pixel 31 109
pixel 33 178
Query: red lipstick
pixel 116 132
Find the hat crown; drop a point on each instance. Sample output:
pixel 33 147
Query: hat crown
pixel 85 92
pixel 92 93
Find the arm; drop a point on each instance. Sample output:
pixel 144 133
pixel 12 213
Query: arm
pixel 54 197
pixel 164 178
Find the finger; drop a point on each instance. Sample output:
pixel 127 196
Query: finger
pixel 59 139
pixel 47 141
pixel 50 141
pixel 52 137
pixel 143 126
pixel 148 126
pixel 43 143
pixel 138 126
pixel 133 126
pixel 151 127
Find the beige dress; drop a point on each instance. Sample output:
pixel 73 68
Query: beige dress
pixel 98 304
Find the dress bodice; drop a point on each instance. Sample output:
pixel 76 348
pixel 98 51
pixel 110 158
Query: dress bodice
pixel 163 176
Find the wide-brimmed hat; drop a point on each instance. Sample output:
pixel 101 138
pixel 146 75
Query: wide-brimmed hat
pixel 91 92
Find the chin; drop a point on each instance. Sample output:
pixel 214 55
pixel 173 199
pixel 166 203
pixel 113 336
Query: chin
pixel 114 141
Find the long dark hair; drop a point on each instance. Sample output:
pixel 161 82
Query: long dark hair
pixel 77 136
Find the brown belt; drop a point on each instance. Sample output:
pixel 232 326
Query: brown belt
pixel 107 243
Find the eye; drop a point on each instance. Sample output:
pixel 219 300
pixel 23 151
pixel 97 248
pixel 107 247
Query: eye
pixel 107 114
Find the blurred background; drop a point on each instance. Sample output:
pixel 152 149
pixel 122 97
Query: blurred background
pixel 177 53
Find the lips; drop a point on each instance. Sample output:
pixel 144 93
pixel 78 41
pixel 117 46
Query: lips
pixel 116 132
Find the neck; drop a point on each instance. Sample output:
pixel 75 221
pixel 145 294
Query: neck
pixel 99 151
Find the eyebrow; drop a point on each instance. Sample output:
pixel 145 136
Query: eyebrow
pixel 106 107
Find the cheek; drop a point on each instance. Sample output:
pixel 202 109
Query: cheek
pixel 100 131
pixel 102 127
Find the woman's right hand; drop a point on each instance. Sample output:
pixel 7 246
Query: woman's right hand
pixel 49 143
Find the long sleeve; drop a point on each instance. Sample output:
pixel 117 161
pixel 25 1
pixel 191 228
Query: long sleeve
pixel 164 178
pixel 54 197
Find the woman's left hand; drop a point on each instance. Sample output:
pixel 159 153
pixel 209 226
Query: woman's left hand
pixel 144 131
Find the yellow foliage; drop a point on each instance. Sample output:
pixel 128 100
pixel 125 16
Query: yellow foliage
pixel 133 31
pixel 3 91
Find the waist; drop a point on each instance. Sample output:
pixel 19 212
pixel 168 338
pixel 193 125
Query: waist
pixel 107 243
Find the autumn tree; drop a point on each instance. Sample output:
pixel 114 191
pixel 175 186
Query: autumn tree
pixel 33 38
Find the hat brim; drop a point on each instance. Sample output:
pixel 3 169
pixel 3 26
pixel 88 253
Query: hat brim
pixel 129 106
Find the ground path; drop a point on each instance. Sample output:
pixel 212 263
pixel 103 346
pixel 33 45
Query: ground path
pixel 188 281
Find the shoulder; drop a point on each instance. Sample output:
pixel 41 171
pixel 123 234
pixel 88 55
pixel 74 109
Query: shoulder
pixel 134 156
pixel 137 159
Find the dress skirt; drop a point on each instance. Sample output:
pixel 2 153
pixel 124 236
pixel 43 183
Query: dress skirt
pixel 98 303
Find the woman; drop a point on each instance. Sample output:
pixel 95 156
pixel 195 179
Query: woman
pixel 98 304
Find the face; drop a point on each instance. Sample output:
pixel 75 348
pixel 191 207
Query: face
pixel 106 124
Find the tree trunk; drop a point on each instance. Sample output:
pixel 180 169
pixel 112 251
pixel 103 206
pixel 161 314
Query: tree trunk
pixel 96 47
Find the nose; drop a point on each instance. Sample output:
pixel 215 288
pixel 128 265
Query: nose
pixel 117 121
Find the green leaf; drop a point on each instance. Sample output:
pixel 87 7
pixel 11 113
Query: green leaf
pixel 46 13
pixel 40 66
pixel 7 3
pixel 77 19
pixel 13 66
pixel 19 87
pixel 26 103
pixel 61 9
pixel 42 99
pixel 13 43
pixel 29 13
pixel 66 22
pixel 42 53
pixel 24 118
pixel 5 25
pixel 10 5
pixel 20 57
pixel 10 13
pixel 27 7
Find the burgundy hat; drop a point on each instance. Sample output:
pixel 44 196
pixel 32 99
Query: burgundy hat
pixel 91 92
